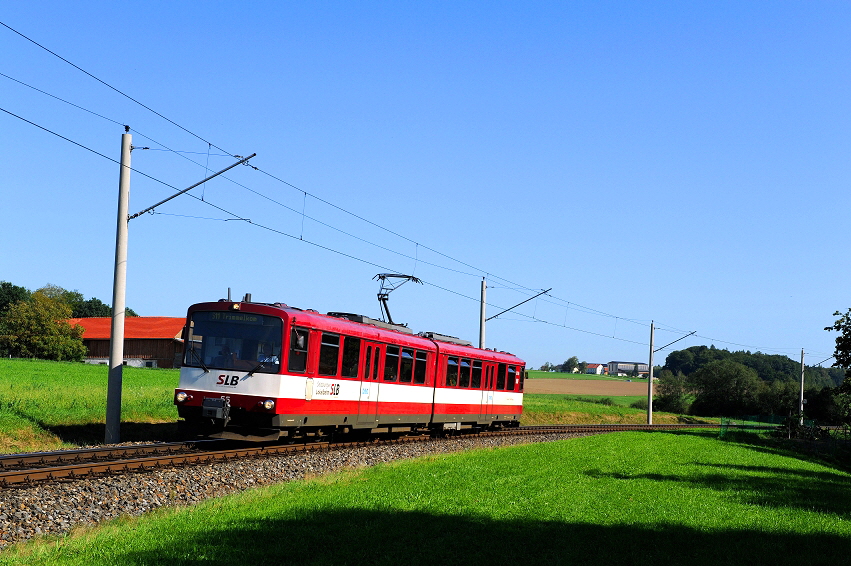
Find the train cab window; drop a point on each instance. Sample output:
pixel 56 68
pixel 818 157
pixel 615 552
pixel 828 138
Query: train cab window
pixel 406 371
pixel 391 363
pixel 452 372
pixel 522 377
pixel 298 349
pixel 351 356
pixel 420 368
pixel 512 379
pixel 329 354
pixel 230 340
pixel 500 377
pixel 477 374
pixel 464 378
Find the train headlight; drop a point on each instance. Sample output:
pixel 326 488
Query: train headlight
pixel 181 396
pixel 268 404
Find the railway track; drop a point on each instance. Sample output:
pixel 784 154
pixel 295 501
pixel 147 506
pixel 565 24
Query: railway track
pixel 30 468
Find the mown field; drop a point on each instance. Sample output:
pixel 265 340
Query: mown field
pixel 52 405
pixel 536 374
pixel 623 498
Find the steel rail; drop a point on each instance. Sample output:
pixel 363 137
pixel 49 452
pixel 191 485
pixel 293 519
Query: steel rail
pixel 11 461
pixel 178 453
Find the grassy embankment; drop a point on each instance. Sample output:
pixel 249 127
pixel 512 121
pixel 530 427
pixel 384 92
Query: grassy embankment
pixel 624 498
pixel 541 408
pixel 51 405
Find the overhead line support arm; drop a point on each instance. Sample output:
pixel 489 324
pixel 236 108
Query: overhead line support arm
pixel 150 208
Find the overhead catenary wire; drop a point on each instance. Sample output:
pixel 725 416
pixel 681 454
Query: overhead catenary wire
pixel 518 286
pixel 258 193
pixel 321 246
pixel 106 84
pixel 263 171
pixel 286 234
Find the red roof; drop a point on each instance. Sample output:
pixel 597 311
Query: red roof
pixel 151 327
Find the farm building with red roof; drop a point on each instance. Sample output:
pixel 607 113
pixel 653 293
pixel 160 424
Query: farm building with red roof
pixel 149 341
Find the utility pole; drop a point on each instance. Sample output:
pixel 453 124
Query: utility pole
pixel 650 381
pixel 801 403
pixel 482 319
pixel 119 285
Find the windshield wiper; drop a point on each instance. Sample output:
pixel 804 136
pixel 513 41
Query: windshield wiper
pixel 200 361
pixel 258 366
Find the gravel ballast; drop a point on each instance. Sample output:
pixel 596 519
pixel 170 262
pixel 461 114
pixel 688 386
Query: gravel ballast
pixel 57 508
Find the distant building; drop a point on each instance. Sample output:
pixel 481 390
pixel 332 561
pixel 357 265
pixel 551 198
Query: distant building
pixel 149 341
pixel 626 368
pixel 596 369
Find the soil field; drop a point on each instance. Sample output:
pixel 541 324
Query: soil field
pixel 585 387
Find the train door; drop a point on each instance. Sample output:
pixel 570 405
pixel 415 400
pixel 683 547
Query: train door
pixel 487 392
pixel 368 404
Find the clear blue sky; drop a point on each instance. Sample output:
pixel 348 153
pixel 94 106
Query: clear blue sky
pixel 679 161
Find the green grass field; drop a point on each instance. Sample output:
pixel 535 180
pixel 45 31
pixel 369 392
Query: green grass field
pixel 547 408
pixel 48 405
pixel 624 498
pixel 51 405
pixel 536 374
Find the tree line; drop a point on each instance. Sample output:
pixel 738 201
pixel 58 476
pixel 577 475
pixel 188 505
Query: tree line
pixel 570 365
pixel 34 324
pixel 707 381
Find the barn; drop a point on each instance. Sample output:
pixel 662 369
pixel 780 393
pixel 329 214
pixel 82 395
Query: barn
pixel 149 341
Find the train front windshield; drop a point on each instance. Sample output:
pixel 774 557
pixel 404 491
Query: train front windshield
pixel 234 340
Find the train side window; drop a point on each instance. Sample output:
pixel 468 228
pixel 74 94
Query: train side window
pixel 329 354
pixel 391 363
pixel 452 372
pixel 464 379
pixel 406 371
pixel 298 349
pixel 366 366
pixel 375 363
pixel 351 356
pixel 477 374
pixel 500 377
pixel 420 368
pixel 512 379
pixel 522 377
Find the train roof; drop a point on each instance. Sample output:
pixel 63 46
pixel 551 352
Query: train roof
pixel 361 325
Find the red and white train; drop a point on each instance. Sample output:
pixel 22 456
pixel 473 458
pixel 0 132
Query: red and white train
pixel 261 371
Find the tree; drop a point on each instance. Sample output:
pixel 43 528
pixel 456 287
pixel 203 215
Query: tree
pixel 91 308
pixel 583 367
pixel 842 352
pixel 725 388
pixel 780 397
pixel 11 294
pixel 38 328
pixel 672 392
pixel 634 372
pixel 80 307
pixel 680 361
pixel 842 398
pixel 570 365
